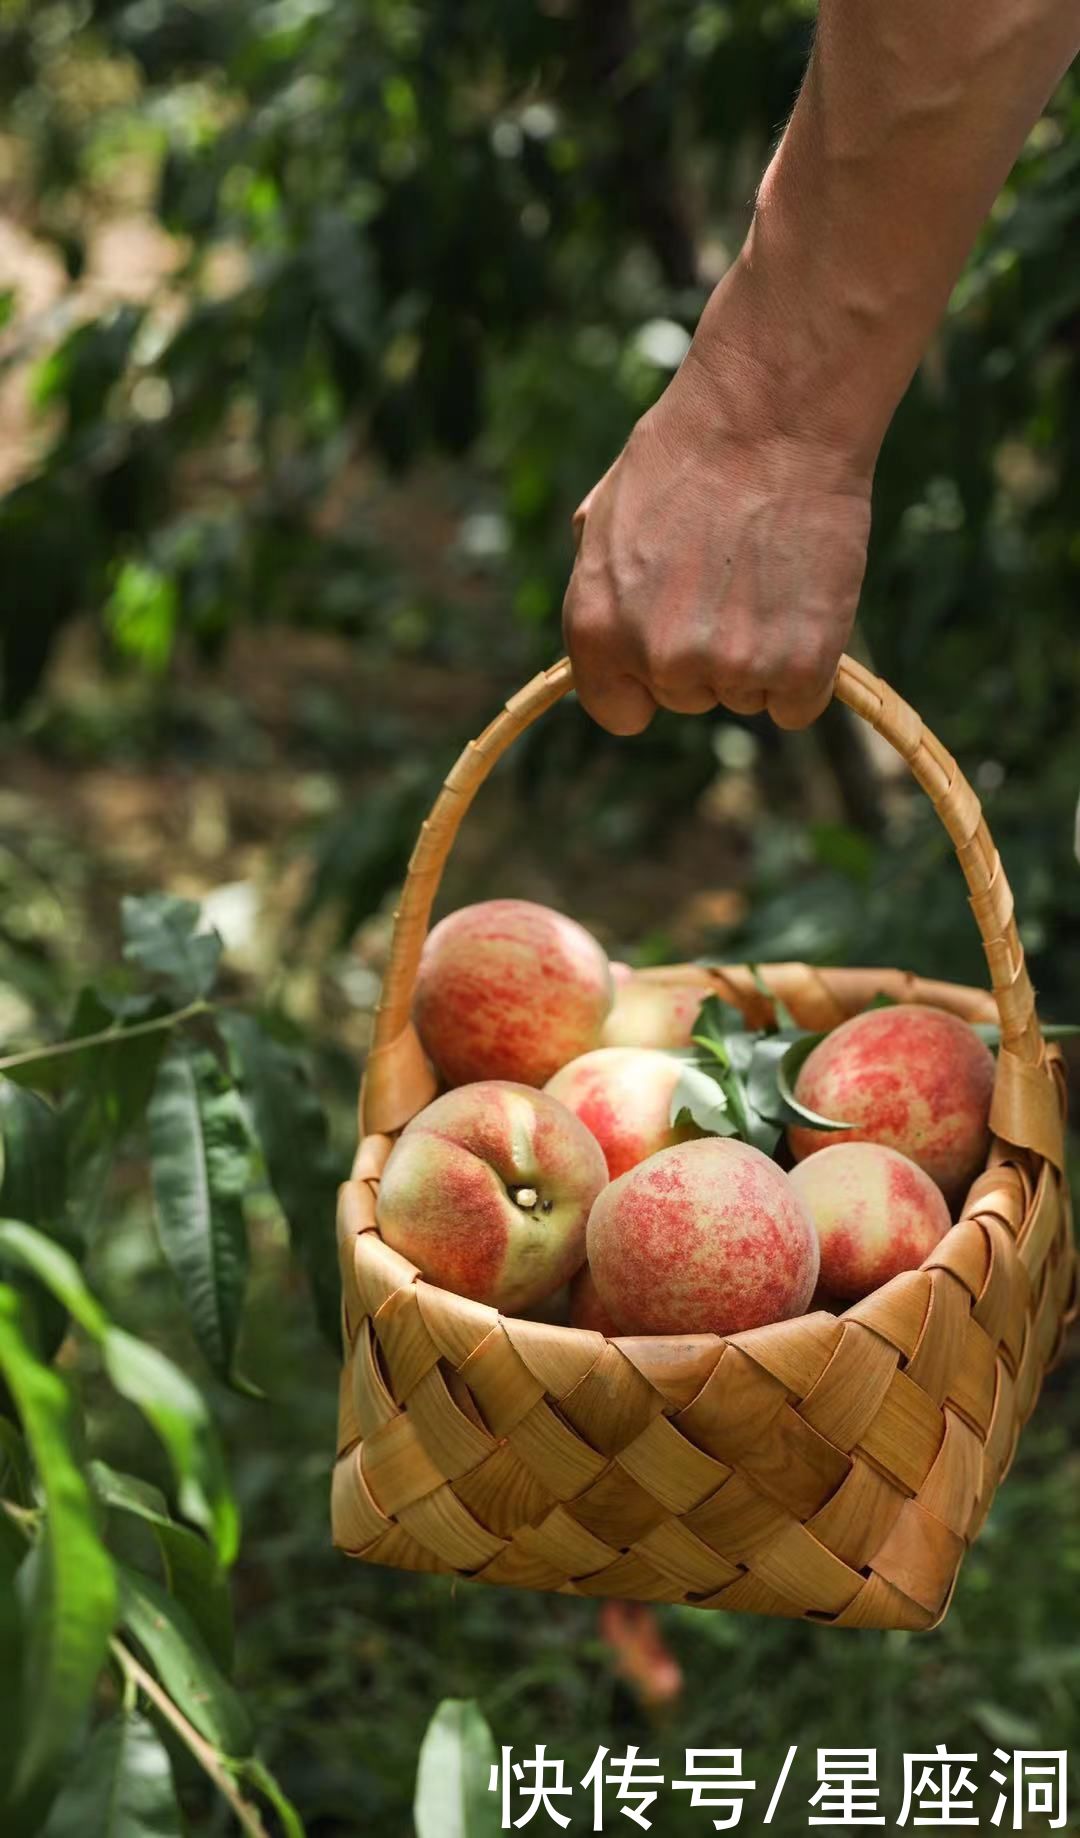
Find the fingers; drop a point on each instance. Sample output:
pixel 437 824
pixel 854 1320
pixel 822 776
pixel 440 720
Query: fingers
pixel 620 704
pixel 798 710
pixel 684 699
pixel 577 521
pixel 741 701
pixel 803 690
pixel 657 615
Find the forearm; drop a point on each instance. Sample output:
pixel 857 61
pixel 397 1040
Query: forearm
pixel 911 115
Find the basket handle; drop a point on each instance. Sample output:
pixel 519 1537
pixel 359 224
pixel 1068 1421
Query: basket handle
pixel 398 1080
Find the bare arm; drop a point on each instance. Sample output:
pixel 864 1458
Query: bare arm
pixel 720 558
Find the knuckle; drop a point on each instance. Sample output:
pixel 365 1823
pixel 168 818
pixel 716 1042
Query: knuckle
pixel 737 660
pixel 672 662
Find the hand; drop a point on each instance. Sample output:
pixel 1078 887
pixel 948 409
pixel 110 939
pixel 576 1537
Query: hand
pixel 720 558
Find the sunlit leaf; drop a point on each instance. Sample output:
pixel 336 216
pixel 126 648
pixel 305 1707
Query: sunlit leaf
pixel 201 1166
pixel 453 1793
pixel 164 1394
pixel 140 613
pixel 121 1786
pixel 73 1599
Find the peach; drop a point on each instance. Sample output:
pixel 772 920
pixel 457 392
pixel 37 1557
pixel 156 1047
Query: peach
pixel 648 1014
pixel 509 990
pixel 488 1191
pixel 876 1213
pixel 623 1095
pixel 706 1237
pixel 909 1077
pixel 586 1308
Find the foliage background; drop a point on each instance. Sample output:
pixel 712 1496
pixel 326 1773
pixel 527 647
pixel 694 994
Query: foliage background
pixel 321 319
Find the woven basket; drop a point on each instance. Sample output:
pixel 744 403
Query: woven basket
pixel 830 1468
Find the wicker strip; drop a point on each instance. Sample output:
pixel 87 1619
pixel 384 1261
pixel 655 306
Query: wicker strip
pixel 832 1468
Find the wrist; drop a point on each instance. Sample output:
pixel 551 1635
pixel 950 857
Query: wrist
pixel 821 369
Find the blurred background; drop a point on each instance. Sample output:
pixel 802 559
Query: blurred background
pixel 317 321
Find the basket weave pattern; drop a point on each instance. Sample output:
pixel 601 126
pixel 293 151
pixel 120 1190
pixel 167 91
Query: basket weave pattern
pixel 832 1468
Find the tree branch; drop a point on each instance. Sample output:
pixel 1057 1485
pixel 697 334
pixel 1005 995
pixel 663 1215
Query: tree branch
pixel 105 1036
pixel 205 1754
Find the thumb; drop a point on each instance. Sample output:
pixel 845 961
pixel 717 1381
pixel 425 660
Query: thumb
pixel 577 521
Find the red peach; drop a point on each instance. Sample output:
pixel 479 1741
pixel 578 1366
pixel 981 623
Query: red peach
pixel 910 1077
pixel 509 990
pixel 648 1014
pixel 876 1213
pixel 586 1308
pixel 623 1095
pixel 488 1191
pixel 706 1237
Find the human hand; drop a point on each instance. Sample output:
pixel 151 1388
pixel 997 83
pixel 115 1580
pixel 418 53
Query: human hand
pixel 720 558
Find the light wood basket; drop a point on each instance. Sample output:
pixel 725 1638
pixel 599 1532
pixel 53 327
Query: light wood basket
pixel 825 1467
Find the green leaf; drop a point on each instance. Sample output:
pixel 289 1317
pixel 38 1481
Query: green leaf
pixel 699 1100
pixel 177 1411
pixel 201 1165
pixel 252 1772
pixel 33 1187
pixel 121 1786
pixel 160 936
pixel 73 1605
pixel 1004 1725
pixel 108 1090
pixel 453 1796
pixel 57 1269
pixel 15 1478
pixel 294 1139
pixel 715 1021
pixel 141 613
pixel 192 1570
pixel 13 1551
pixel 182 1661
pixel 164 1394
pixel 787 1072
pixel 762 1078
pixel 33 1156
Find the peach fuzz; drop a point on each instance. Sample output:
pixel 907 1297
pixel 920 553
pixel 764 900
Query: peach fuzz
pixel 623 1095
pixel 648 1014
pixel 586 1308
pixel 509 990
pixel 909 1077
pixel 706 1237
pixel 488 1190
pixel 875 1212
